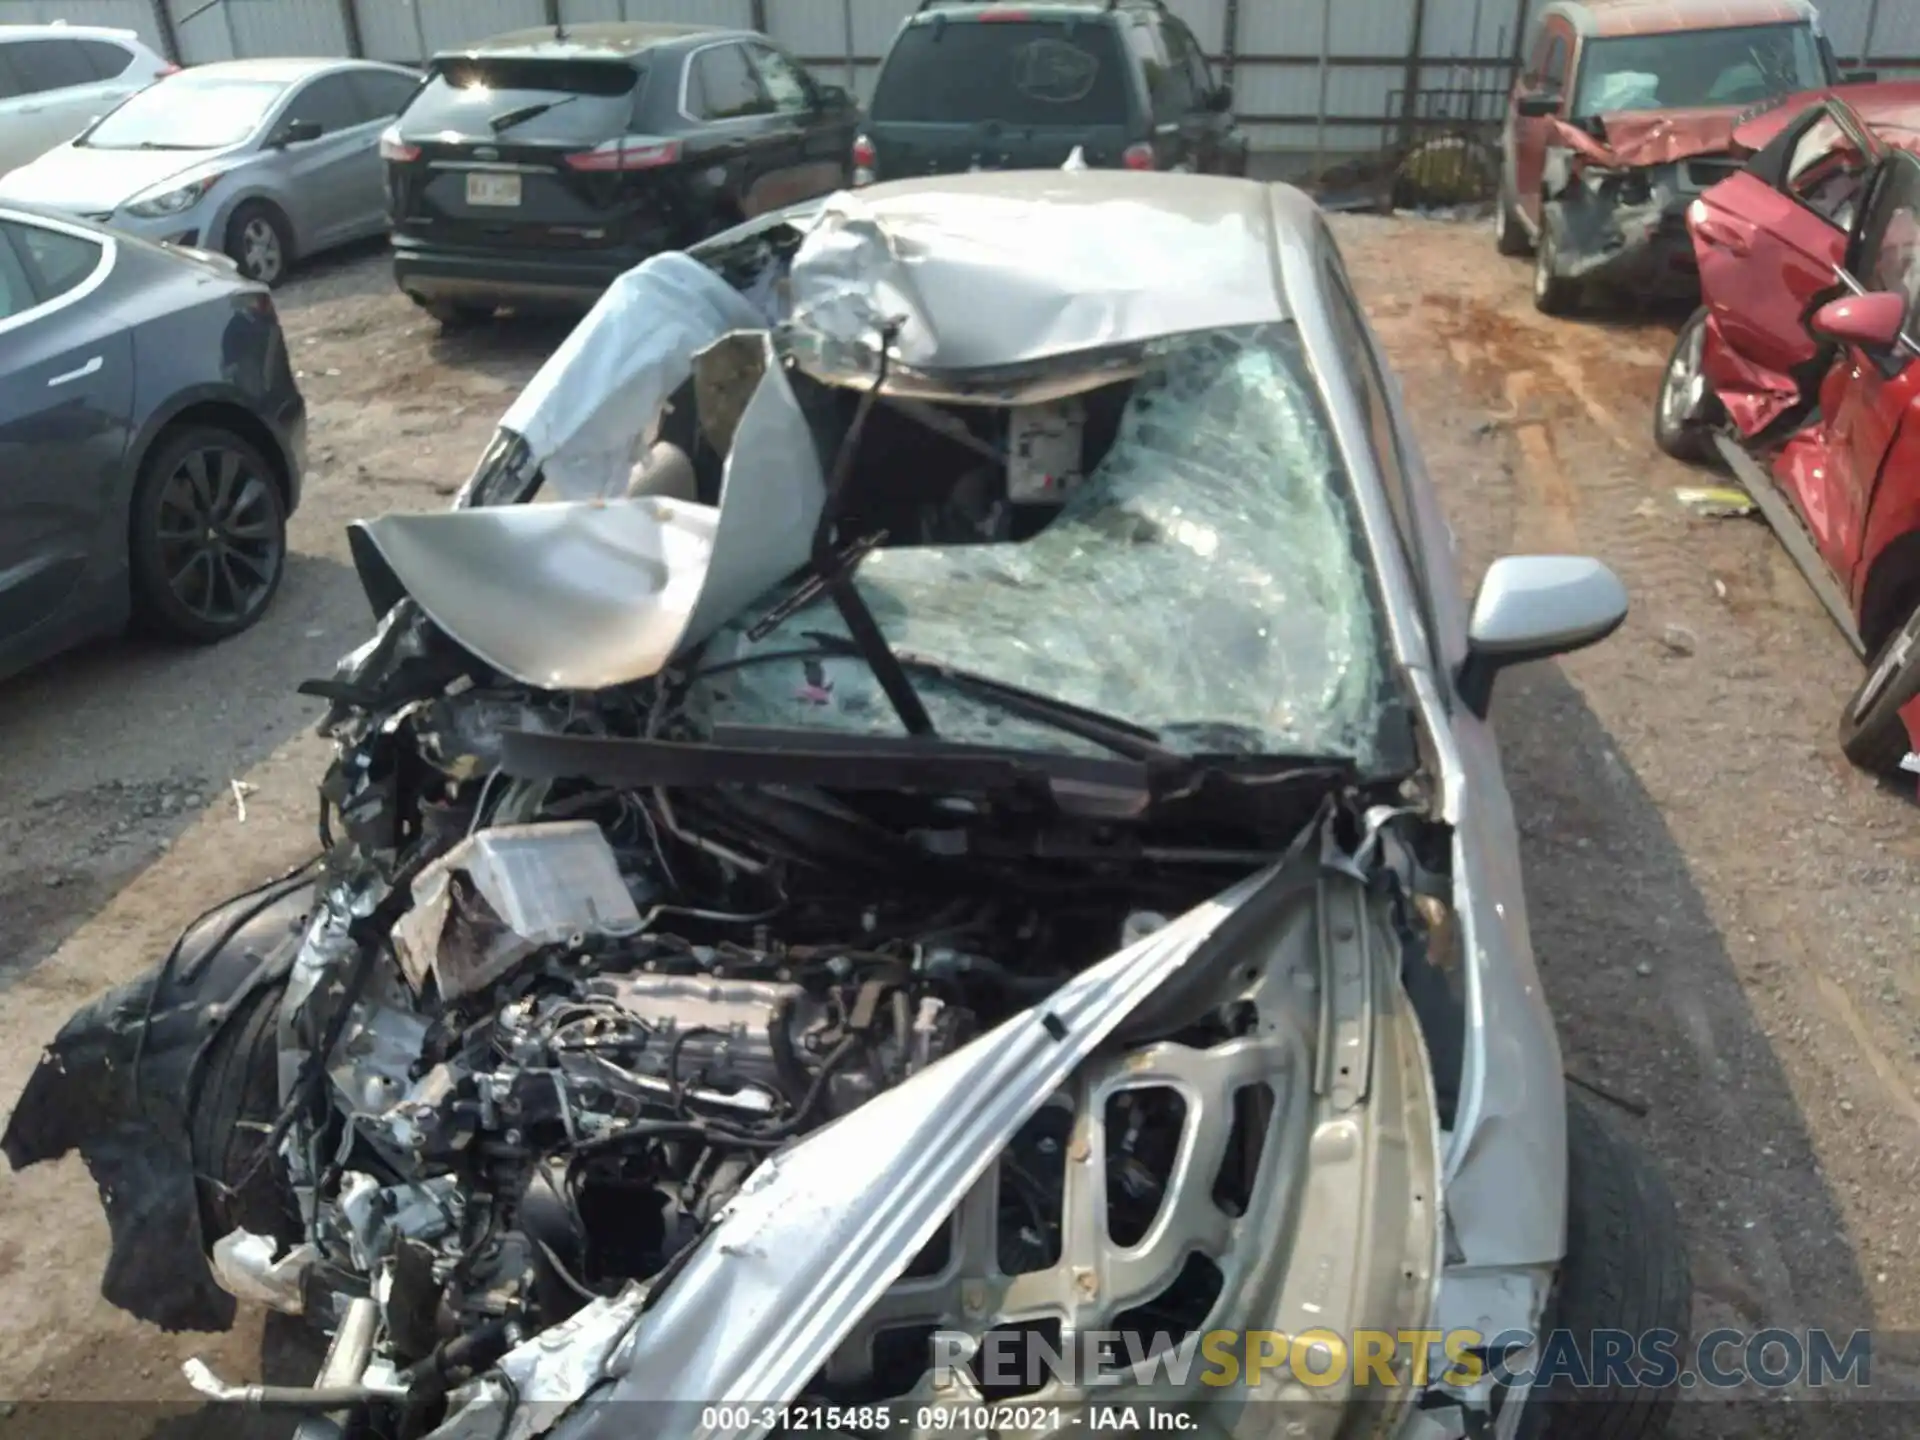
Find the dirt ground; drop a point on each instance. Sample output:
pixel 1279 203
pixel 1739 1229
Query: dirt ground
pixel 1724 911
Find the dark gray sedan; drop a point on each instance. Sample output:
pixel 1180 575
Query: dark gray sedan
pixel 151 439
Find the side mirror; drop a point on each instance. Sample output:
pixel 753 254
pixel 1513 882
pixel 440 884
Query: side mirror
pixel 1220 99
pixel 298 132
pixel 1536 104
pixel 1860 77
pixel 1873 321
pixel 1533 607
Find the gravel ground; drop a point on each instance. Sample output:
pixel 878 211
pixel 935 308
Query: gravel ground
pixel 1723 910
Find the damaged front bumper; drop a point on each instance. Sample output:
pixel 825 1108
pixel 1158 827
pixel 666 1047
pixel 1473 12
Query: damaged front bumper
pixel 1622 227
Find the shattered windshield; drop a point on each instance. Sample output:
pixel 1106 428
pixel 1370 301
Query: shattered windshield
pixel 1206 581
pixel 1697 69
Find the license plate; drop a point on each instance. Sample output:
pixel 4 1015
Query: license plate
pixel 484 189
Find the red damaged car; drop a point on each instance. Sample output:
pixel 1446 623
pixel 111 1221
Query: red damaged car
pixel 1798 372
pixel 1625 111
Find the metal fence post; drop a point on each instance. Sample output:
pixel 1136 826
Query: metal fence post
pixel 1320 109
pixel 1410 100
pixel 757 13
pixel 1866 41
pixel 350 22
pixel 169 38
pixel 553 15
pixel 1230 42
pixel 846 33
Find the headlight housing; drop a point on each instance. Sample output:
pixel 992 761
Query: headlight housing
pixel 153 205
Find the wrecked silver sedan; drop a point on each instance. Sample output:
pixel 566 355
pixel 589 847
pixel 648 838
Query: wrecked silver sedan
pixel 924 833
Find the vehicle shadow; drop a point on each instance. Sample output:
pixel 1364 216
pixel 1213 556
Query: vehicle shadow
pixel 115 749
pixel 1652 1014
pixel 509 339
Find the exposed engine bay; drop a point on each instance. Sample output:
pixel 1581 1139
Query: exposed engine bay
pixel 595 991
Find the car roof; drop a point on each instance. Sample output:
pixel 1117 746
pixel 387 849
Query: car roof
pixel 285 69
pixel 609 37
pixel 1607 18
pixel 60 30
pixel 941 11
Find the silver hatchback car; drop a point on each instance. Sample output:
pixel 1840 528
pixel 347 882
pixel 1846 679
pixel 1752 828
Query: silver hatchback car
pixel 265 160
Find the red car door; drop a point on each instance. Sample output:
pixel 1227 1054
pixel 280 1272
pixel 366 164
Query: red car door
pixel 1850 498
pixel 1768 240
pixel 1545 77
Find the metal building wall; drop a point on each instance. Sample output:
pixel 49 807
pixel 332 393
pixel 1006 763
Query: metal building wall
pixel 1311 77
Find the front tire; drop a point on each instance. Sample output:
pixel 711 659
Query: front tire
pixel 259 241
pixel 1625 1271
pixel 207 538
pixel 1553 294
pixel 1687 411
pixel 1872 735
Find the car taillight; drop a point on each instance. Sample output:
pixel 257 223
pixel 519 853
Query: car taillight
pixel 1138 157
pixel 396 149
pixel 622 155
pixel 864 154
pixel 990 15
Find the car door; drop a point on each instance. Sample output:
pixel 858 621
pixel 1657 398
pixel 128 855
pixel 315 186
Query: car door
pixel 383 95
pixel 819 150
pixel 66 397
pixel 1869 395
pixel 1218 142
pixel 741 132
pixel 1768 240
pixel 1178 131
pixel 1526 138
pixel 334 181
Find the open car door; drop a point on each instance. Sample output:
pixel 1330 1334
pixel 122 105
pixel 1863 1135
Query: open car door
pixel 1768 241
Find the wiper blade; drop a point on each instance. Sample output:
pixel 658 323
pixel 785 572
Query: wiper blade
pixel 1122 737
pixel 507 119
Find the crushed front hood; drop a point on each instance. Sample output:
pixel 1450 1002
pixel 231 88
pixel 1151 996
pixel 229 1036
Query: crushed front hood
pixel 1652 137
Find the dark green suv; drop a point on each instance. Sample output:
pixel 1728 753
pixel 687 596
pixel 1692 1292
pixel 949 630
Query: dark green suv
pixel 1007 86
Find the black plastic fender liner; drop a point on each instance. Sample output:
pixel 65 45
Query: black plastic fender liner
pixel 116 1085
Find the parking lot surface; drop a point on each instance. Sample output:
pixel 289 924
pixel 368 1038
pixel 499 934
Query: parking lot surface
pixel 1723 910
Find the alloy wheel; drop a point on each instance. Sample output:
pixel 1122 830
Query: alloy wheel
pixel 1686 382
pixel 261 255
pixel 220 546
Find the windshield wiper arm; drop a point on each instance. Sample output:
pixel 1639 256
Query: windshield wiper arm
pixel 507 119
pixel 1122 737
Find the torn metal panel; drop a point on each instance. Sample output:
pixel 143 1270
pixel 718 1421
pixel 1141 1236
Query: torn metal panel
pixel 1205 582
pixel 1632 138
pixel 585 410
pixel 1625 228
pixel 1000 271
pixel 617 587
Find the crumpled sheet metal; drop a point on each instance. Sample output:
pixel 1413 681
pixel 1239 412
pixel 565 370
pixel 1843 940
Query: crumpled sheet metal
pixel 838 1217
pixel 1891 108
pixel 1206 573
pixel 1652 137
pixel 1753 395
pixel 585 411
pixel 1002 270
pixel 619 586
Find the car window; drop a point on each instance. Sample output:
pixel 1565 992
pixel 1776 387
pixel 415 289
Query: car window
pixel 331 101
pixel 1553 69
pixel 1890 240
pixel 722 85
pixel 783 79
pixel 1187 53
pixel 10 83
pixel 1739 65
pixel 186 112
pixel 56 260
pixel 16 291
pixel 107 59
pixel 383 94
pixel 1826 171
pixel 43 65
pixel 1167 81
pixel 1018 72
pixel 573 101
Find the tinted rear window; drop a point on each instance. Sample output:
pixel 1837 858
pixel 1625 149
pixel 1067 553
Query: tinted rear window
pixel 587 99
pixel 1019 72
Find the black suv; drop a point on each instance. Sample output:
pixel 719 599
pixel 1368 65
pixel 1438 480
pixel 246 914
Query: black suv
pixel 534 168
pixel 969 86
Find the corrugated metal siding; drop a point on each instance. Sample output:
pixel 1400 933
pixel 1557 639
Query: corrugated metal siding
pixel 1278 73
pixel 289 27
